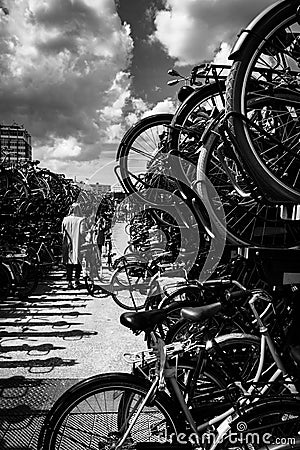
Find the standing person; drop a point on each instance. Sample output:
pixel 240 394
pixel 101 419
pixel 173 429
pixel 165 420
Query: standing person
pixel 73 230
pixel 99 233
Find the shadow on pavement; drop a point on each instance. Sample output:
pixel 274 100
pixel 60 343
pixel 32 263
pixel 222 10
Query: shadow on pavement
pixel 23 406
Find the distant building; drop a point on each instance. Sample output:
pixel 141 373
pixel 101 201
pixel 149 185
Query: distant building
pixel 15 142
pixel 116 188
pixel 101 188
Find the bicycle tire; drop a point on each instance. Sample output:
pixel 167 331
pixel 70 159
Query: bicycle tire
pixel 184 296
pixel 262 49
pixel 210 387
pixel 125 286
pixel 15 191
pixel 242 350
pixel 94 289
pixel 211 396
pixel 129 249
pixel 142 257
pixel 151 127
pixel 249 222
pixel 28 278
pixel 188 125
pixel 6 282
pixel 184 329
pixel 101 392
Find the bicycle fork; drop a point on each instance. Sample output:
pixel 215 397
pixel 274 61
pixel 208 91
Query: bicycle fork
pixel 168 373
pixel 138 412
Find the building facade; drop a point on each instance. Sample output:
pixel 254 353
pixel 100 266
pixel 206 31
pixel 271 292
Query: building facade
pixel 101 188
pixel 15 144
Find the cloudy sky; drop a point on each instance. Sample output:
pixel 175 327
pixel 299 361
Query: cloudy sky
pixel 79 73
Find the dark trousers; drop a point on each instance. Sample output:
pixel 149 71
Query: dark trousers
pixel 70 268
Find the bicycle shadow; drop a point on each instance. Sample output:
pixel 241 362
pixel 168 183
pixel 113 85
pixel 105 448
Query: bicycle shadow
pixel 24 403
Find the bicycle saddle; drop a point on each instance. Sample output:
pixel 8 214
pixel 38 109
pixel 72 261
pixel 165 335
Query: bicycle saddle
pixel 143 320
pixel 201 312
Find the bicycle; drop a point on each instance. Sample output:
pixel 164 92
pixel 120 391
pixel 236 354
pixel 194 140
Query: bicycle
pixel 13 188
pixel 265 66
pixel 18 275
pixel 127 402
pixel 250 219
pixel 153 137
pixel 42 252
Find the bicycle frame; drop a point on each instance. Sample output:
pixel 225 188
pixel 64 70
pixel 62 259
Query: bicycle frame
pixel 224 420
pixel 43 248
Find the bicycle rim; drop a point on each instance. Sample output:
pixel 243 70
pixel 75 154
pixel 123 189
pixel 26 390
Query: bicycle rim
pixel 139 147
pixel 248 221
pixel 129 285
pixel 96 414
pixel 269 63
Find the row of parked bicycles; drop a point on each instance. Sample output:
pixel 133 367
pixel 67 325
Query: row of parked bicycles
pixel 33 202
pixel 215 231
pixel 28 190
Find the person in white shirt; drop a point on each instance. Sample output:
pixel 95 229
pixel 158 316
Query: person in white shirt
pixel 73 230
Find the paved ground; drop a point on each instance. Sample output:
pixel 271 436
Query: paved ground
pixel 50 342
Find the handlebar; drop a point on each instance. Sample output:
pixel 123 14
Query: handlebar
pixel 241 294
pixel 206 71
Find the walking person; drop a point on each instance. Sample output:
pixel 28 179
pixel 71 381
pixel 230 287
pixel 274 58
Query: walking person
pixel 73 230
pixel 99 233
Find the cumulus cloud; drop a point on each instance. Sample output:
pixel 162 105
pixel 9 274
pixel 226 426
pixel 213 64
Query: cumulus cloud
pixel 63 73
pixel 126 110
pixel 193 31
pixel 166 106
pixel 65 148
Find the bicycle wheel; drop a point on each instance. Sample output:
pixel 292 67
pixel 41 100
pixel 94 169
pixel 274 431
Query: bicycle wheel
pixel 205 398
pixel 27 276
pixel 129 285
pixel 190 120
pixel 5 282
pixel 13 192
pixel 266 65
pixel 241 350
pixel 249 221
pixel 94 288
pixel 96 412
pixel 38 186
pixel 172 297
pixel 183 329
pixel 139 147
pixel 239 362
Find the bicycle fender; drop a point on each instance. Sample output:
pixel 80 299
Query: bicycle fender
pixel 264 17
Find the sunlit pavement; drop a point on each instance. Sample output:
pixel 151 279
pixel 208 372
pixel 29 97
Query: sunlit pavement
pixel 48 343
